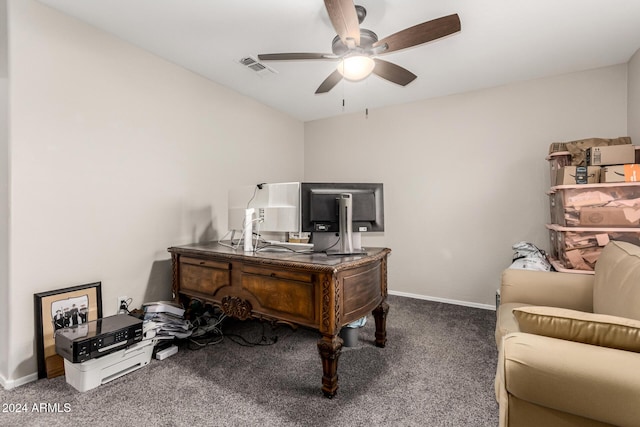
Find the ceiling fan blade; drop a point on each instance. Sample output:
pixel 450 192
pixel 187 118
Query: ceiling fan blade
pixel 293 56
pixel 345 20
pixel 328 83
pixel 392 72
pixel 421 33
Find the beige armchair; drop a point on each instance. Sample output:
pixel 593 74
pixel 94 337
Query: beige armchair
pixel 569 344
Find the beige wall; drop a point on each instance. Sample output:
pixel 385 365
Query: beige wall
pixel 4 188
pixel 633 113
pixel 4 225
pixel 115 156
pixel 465 176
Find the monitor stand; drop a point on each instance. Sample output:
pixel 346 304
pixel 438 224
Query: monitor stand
pixel 345 212
pixel 327 242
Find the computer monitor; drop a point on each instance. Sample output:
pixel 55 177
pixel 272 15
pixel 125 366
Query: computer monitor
pixel 337 213
pixel 319 203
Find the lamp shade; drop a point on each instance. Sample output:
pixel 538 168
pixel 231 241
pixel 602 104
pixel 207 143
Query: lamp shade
pixel 356 67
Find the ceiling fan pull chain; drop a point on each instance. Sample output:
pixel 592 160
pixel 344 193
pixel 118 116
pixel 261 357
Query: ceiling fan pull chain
pixel 366 100
pixel 342 86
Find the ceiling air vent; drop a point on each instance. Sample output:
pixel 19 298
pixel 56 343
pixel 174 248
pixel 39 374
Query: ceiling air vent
pixel 256 66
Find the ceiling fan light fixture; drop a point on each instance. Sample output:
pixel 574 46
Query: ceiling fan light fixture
pixel 356 67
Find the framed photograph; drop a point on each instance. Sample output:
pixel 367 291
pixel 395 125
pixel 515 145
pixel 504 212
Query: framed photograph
pixel 58 309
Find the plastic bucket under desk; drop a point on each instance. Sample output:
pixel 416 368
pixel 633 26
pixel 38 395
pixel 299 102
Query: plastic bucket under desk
pixel 349 333
pixel 349 336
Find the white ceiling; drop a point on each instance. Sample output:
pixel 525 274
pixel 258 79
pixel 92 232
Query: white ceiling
pixel 501 41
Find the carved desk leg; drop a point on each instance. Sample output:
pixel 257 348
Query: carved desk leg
pixel 175 285
pixel 330 347
pixel 380 316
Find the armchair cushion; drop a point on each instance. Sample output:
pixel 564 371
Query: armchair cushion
pixel 572 325
pixel 590 381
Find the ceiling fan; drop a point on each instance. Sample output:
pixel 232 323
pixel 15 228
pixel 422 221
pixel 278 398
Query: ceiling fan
pixel 358 48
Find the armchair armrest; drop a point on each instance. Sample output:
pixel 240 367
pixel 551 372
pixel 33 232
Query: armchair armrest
pixel 566 290
pixel 590 381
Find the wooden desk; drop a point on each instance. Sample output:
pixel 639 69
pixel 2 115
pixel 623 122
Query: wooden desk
pixel 313 290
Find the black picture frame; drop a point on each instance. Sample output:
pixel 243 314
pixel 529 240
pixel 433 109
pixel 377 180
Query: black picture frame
pixel 46 304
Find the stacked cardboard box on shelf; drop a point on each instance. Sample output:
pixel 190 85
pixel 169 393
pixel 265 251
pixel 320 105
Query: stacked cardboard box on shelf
pixel 594 198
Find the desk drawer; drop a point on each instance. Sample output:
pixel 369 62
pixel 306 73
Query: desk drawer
pixel 293 300
pixel 205 263
pixel 300 276
pixel 204 276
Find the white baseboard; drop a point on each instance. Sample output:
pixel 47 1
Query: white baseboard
pixel 445 300
pixel 9 384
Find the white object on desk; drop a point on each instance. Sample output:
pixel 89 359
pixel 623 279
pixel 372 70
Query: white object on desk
pixel 248 230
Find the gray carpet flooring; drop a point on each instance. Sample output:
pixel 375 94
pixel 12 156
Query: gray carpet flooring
pixel 436 370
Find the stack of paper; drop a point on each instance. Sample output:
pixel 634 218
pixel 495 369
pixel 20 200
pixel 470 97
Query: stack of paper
pixel 167 319
pixel 163 307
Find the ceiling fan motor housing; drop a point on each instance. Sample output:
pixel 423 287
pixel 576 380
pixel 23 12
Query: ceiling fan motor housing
pixel 367 39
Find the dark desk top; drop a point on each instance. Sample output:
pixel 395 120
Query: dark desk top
pixel 318 260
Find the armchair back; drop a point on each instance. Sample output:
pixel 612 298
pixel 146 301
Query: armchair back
pixel 616 286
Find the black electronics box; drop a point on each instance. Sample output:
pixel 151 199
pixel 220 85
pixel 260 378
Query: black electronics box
pixel 98 338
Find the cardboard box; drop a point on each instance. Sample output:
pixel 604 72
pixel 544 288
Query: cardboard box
pixel 620 173
pixel 611 155
pixel 571 175
pixel 609 217
pixel 556 161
